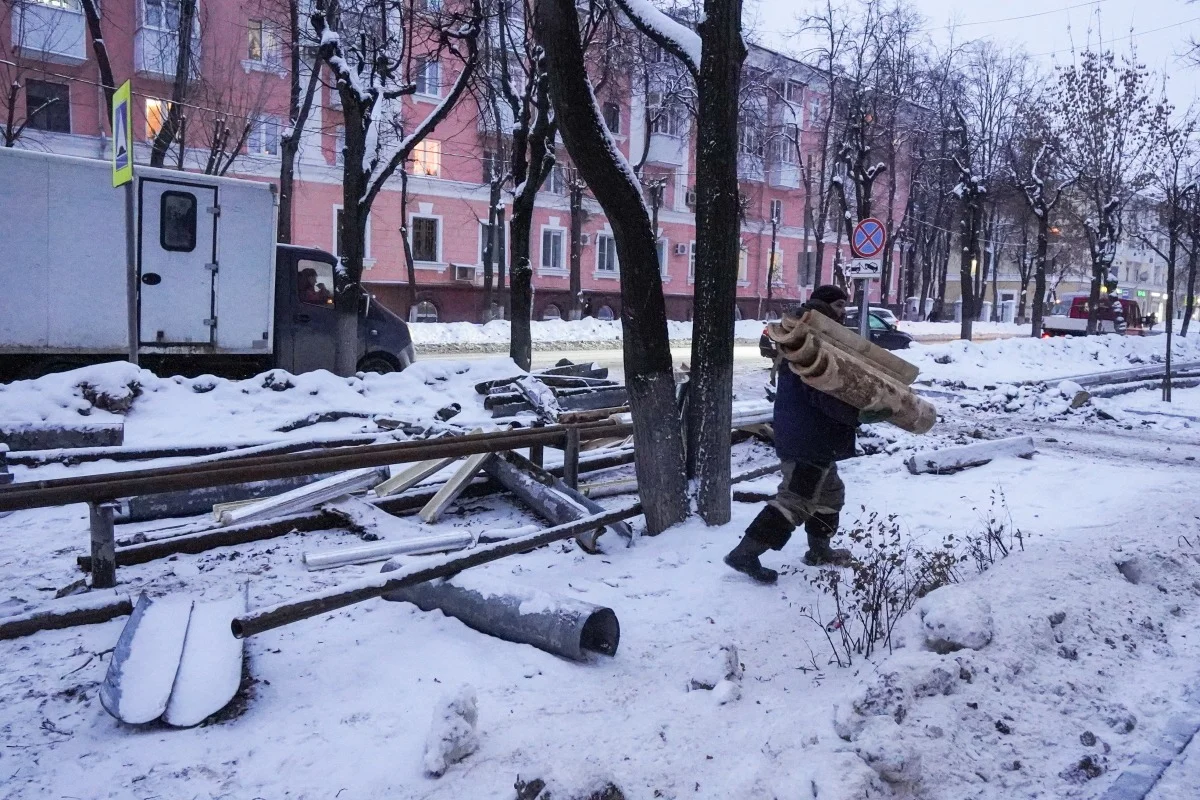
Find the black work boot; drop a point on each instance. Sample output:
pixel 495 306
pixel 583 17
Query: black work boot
pixel 820 554
pixel 744 558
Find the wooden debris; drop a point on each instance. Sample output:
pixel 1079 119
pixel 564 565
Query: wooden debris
pixel 953 459
pixel 454 487
pixel 411 476
pixel 84 609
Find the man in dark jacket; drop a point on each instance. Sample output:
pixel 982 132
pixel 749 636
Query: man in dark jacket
pixel 813 431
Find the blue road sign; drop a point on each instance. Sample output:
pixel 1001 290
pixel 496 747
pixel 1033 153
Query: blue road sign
pixel 868 239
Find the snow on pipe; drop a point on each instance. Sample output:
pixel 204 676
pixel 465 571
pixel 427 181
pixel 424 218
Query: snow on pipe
pixel 563 626
pixel 952 459
pixel 850 378
pixel 415 546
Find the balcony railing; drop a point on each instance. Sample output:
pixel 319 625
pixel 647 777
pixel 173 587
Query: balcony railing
pixel 53 33
pixel 750 167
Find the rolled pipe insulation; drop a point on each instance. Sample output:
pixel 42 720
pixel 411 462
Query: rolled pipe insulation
pixel 378 551
pixel 560 625
pixel 849 377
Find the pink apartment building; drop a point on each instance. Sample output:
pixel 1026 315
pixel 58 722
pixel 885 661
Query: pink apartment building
pixel 242 75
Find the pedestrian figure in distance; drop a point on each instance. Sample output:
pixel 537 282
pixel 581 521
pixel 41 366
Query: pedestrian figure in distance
pixel 813 431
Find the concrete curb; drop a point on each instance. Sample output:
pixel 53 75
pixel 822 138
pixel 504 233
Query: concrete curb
pixel 1146 769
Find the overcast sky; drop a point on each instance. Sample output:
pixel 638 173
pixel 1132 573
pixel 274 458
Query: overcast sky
pixel 1160 29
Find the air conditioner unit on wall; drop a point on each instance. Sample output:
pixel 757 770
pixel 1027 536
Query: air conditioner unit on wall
pixel 585 239
pixel 681 249
pixel 689 197
pixel 464 273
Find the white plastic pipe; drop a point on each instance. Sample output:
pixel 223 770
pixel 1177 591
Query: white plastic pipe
pixel 380 551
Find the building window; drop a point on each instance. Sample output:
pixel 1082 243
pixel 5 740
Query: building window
pixel 667 116
pixel 427 158
pixel 337 235
pixel 429 5
pixel 425 244
pixel 162 15
pixel 787 143
pixel 485 235
pixel 663 265
pixel 692 261
pixel 552 312
pixel 556 181
pixel 776 260
pixel 493 166
pixel 552 249
pixel 156 115
pixel 794 92
pixel 743 264
pixel 612 118
pixel 48 106
pixel 339 145
pixel 814 111
pixel 424 311
pixel 777 211
pixel 606 254
pixel 263 139
pixel 428 77
pixel 264 45
pixel 750 141
pixel 605 313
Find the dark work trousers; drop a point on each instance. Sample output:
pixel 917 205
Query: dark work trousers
pixel 809 494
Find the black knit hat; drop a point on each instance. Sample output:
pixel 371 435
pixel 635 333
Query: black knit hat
pixel 829 294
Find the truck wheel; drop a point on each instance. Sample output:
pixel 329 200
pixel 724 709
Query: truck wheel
pixel 378 363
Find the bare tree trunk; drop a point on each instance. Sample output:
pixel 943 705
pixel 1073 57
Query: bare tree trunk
pixel 91 13
pixel 659 453
pixel 490 247
pixel 410 266
pixel 1193 258
pixel 298 111
pixel 717 251
pixel 1039 276
pixel 172 126
pixel 520 347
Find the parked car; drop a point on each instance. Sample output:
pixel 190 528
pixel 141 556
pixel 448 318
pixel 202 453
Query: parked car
pixel 883 313
pixel 883 333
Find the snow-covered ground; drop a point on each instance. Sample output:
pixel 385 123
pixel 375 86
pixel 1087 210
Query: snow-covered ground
pixel 1081 646
pixel 451 336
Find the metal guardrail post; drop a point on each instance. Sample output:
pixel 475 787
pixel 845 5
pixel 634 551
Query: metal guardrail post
pixel 104 547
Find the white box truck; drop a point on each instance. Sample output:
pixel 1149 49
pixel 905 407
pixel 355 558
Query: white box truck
pixel 213 291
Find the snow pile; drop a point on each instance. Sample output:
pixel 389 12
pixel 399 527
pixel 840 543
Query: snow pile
pixel 207 409
pixel 467 335
pixel 952 330
pixel 1035 690
pixel 1018 360
pixel 720 672
pixel 452 735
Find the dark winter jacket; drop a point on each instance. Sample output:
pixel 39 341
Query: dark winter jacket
pixel 811 426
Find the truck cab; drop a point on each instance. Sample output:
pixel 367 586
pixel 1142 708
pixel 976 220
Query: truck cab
pixel 306 321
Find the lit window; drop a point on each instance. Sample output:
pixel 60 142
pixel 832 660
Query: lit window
pixel 425 239
pixel 156 115
pixel 606 254
pixel 428 77
pixel 263 44
pixel 427 158
pixel 552 249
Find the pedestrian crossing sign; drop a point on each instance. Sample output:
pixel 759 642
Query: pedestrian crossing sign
pixel 122 124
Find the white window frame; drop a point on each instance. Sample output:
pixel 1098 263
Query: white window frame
pixel 772 206
pixel 368 261
pixel 423 70
pixel 479 249
pixel 667 116
pixel 605 274
pixel 542 268
pixel 558 174
pixel 777 278
pixel 339 145
pixel 664 263
pixel 440 264
pixel 270 47
pixel 258 130
pixel 692 261
pixel 743 265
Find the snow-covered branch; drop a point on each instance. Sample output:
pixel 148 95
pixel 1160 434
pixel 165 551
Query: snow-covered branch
pixel 672 36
